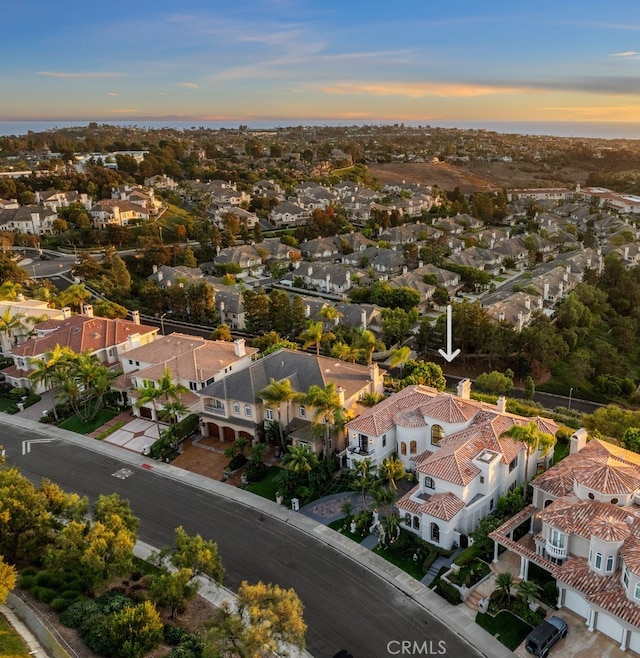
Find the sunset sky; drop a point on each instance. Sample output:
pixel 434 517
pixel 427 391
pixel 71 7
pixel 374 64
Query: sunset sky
pixel 346 60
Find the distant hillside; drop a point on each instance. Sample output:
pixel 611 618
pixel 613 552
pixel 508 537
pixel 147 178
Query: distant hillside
pixel 479 176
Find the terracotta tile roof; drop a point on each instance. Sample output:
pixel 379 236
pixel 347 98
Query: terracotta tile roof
pixel 601 466
pixel 81 333
pixel 557 481
pixel 573 515
pixel 605 591
pixel 450 409
pixel 609 528
pixel 609 476
pixel 630 553
pixel 418 459
pixel 442 506
pixel 380 419
pixel 409 418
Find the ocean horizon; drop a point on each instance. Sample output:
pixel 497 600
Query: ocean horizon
pixel 585 129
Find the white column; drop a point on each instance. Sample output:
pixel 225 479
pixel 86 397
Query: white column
pixel 524 567
pixel 561 592
pixel 495 551
pixel 624 644
pixel 591 620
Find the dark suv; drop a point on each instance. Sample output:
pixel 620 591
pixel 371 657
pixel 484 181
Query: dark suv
pixel 544 636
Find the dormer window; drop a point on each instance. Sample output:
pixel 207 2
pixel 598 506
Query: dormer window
pixel 610 564
pixel 437 434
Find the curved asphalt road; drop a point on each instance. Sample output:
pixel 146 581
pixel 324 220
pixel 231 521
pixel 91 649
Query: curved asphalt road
pixel 346 605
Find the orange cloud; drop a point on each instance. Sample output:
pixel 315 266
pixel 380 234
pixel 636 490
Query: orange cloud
pixel 417 89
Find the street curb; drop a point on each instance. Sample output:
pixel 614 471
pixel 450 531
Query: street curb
pixel 451 616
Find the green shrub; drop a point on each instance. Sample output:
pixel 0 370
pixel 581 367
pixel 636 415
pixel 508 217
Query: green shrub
pixel 79 612
pixel 549 594
pixel 187 426
pixel 44 594
pixel 26 581
pixel 448 592
pixel 467 556
pixel 113 601
pixel 174 635
pixel 52 579
pixel 66 599
pixel 97 634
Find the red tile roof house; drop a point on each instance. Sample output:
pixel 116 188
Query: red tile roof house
pixel 453 445
pixel 585 522
pixel 104 337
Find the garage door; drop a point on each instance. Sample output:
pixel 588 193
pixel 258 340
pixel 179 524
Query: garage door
pixel 575 602
pixel 609 626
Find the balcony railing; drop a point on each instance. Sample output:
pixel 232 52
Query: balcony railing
pixel 555 551
pixel 357 450
pixel 216 411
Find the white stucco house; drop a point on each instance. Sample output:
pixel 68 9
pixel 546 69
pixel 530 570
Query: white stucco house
pixel 453 446
pixel 585 531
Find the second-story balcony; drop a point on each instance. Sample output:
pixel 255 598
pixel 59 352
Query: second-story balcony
pixel 358 450
pixel 215 410
pixel 558 552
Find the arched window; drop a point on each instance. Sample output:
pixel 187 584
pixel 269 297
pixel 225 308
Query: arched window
pixel 416 522
pixel 407 519
pixel 435 533
pixel 403 448
pixel 548 502
pixel 437 434
pixel 637 592
pixel 413 447
pixel 428 483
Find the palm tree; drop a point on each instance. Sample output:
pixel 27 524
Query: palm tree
pixel 312 335
pixel 330 313
pixel 274 396
pixel 533 439
pixel 363 477
pixel 299 459
pixel 50 371
pixel 12 323
pixel 528 590
pixel 368 343
pixel 155 391
pixel 327 410
pixel 392 469
pixel 346 352
pixel 371 399
pixel 504 583
pixel 399 357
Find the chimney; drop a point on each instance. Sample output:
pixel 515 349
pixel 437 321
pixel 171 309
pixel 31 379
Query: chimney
pixel 66 312
pixel 239 347
pixel 464 389
pixel 502 404
pixel 221 306
pixel 578 440
pixel 420 264
pixel 404 270
pixel 340 392
pixel 155 269
pixel 309 270
pixel 363 318
pixel 135 316
pixel 626 253
pixel 307 311
pixel 545 289
pixel 377 382
pixel 88 310
pixel 527 303
pixel 160 276
pixel 501 316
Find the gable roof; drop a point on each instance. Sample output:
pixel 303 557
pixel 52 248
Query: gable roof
pixel 301 369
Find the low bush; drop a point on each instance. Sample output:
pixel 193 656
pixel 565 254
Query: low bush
pixel 76 614
pixel 44 594
pixel 448 592
pixel 467 555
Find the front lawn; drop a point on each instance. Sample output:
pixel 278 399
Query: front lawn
pixel 342 526
pixel 267 486
pixel 8 404
pixel 505 627
pixel 403 560
pixel 77 425
pixel 11 643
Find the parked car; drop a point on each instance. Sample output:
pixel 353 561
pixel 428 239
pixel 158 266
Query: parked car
pixel 544 636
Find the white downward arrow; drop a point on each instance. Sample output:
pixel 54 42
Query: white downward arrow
pixel 449 355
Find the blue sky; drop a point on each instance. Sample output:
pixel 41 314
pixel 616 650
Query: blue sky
pixel 346 60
